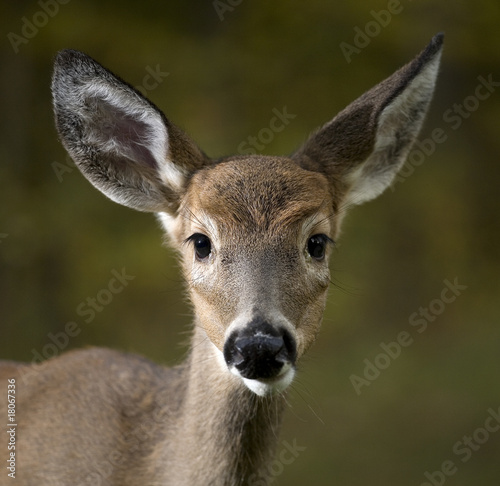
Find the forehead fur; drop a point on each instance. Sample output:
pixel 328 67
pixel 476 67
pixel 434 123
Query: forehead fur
pixel 258 193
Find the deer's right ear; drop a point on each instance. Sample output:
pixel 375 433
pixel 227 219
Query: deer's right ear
pixel 363 147
pixel 119 140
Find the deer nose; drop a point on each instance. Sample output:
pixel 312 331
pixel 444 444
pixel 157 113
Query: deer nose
pixel 259 351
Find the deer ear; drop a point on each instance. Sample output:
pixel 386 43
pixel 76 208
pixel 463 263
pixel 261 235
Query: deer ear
pixel 119 140
pixel 365 145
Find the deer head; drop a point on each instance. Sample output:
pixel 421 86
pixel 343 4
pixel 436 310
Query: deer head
pixel 255 232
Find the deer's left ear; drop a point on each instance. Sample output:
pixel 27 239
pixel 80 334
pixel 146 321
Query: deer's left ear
pixel 364 146
pixel 121 142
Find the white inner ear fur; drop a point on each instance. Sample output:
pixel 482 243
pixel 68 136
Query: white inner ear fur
pixel 372 177
pixel 156 141
pixel 168 223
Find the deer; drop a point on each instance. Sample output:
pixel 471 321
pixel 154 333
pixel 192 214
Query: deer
pixel 255 234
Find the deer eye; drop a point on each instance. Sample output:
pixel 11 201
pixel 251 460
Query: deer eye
pixel 202 245
pixel 316 246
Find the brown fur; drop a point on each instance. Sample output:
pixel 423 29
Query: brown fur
pixel 98 416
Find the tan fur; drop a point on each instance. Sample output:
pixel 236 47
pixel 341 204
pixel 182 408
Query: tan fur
pixel 259 225
pixel 101 417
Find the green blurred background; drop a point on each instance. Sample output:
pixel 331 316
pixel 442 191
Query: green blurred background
pixel 229 64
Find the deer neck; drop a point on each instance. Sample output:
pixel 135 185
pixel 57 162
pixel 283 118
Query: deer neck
pixel 227 433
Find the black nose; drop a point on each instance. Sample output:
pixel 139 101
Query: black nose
pixel 259 350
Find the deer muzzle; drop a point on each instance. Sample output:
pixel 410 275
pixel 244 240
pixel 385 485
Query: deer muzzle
pixel 263 355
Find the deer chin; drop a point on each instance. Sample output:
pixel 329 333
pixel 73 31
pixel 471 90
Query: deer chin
pixel 262 387
pixel 270 387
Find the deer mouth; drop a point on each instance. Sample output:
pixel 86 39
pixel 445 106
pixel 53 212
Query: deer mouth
pixel 270 386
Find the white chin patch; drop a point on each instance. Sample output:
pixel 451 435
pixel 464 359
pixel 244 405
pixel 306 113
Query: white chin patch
pixel 261 388
pixel 270 387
